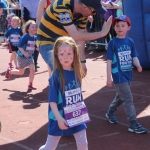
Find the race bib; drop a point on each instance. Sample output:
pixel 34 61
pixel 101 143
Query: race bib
pixel 76 114
pixel 14 38
pixel 30 46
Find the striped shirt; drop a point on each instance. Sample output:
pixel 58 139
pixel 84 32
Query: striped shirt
pixel 58 14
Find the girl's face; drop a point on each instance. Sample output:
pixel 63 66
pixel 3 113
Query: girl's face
pixel 121 29
pixel 14 23
pixel 66 56
pixel 32 28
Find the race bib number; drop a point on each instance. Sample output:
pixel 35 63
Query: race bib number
pixel 125 60
pixel 76 114
pixel 14 38
pixel 30 46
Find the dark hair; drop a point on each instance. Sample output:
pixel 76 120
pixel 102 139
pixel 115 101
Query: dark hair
pixel 121 20
pixel 27 25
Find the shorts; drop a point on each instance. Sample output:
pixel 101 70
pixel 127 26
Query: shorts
pixel 47 54
pixel 14 48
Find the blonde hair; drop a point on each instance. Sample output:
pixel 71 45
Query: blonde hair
pixel 79 73
pixel 17 18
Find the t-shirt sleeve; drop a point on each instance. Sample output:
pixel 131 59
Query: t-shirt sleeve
pixel 23 40
pixel 133 49
pixel 7 34
pixel 110 51
pixel 63 15
pixel 53 89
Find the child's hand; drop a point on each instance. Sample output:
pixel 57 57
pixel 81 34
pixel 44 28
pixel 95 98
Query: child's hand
pixel 109 83
pixel 26 54
pixel 139 69
pixel 62 123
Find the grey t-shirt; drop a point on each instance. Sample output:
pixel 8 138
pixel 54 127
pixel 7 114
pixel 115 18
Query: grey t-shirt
pixel 31 5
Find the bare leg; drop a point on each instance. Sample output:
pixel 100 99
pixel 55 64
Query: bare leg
pixel 31 75
pixel 81 47
pixel 49 70
pixel 14 58
pixel 11 58
pixel 19 72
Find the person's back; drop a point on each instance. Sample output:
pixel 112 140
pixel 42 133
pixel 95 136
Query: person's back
pixel 57 15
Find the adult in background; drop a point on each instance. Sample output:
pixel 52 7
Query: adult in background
pixel 68 18
pixel 111 7
pixel 43 4
pixel 32 7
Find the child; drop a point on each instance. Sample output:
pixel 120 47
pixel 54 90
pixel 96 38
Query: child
pixel 13 35
pixel 9 18
pixel 3 22
pixel 65 95
pixel 120 56
pixel 26 47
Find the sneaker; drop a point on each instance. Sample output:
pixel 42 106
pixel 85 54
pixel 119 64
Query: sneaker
pixel 10 65
pixel 30 87
pixel 37 66
pixel 137 128
pixel 112 118
pixel 8 73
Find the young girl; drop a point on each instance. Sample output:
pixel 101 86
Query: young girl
pixel 66 107
pixel 26 47
pixel 13 35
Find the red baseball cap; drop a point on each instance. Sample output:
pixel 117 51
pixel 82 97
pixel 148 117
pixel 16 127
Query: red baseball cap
pixel 122 18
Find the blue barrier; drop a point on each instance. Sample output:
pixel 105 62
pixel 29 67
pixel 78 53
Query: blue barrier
pixel 139 13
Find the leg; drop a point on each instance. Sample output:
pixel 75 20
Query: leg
pixel 125 95
pixel 14 58
pixel 11 58
pixel 47 54
pixel 36 54
pixel 51 143
pixel 81 47
pixel 32 71
pixel 81 140
pixel 115 104
pixel 19 72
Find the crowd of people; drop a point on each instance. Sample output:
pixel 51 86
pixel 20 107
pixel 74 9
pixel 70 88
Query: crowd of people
pixel 57 29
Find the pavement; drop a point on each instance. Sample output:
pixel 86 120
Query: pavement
pixel 23 113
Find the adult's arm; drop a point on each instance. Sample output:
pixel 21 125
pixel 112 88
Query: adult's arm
pixel 14 5
pixel 40 11
pixel 80 36
pixel 109 6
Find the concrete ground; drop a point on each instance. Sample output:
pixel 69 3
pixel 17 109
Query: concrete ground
pixel 23 114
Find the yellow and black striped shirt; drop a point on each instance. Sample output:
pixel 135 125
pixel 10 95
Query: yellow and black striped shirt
pixel 58 14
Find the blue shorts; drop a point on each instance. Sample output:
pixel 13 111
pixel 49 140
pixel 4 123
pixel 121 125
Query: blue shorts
pixel 47 54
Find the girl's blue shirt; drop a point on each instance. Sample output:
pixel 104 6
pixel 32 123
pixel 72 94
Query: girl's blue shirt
pixel 58 96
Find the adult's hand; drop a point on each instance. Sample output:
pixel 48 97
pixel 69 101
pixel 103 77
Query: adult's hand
pixel 106 26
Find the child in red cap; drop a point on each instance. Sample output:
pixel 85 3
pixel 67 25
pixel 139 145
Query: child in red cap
pixel 121 55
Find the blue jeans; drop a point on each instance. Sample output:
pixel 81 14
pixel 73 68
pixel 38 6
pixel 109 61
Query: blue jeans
pixel 47 54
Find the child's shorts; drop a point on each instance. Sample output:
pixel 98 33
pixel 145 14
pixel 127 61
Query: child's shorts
pixel 14 48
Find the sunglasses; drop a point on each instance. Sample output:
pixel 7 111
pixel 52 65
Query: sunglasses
pixel 91 9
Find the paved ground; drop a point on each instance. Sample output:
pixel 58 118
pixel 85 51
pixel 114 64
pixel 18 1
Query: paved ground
pixel 23 114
